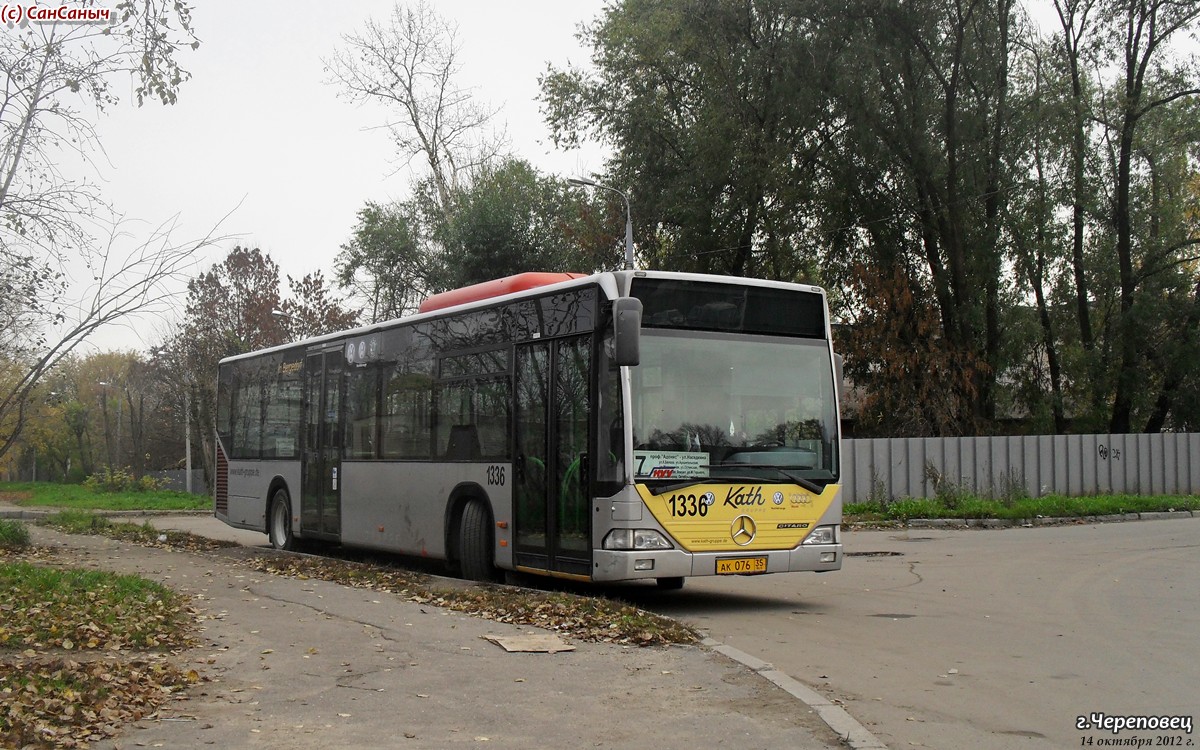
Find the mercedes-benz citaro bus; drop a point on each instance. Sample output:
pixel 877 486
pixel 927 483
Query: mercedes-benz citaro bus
pixel 617 426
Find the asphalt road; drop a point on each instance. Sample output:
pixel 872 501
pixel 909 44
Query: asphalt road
pixel 980 639
pixel 990 639
pixel 307 664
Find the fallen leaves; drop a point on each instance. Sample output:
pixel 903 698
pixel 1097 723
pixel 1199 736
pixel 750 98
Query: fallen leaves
pixel 82 656
pixel 49 608
pixel 83 651
pixel 83 522
pixel 52 701
pixel 585 618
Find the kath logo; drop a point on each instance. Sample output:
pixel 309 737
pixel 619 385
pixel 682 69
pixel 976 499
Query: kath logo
pixel 744 496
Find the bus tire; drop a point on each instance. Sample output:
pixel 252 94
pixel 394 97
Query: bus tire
pixel 674 583
pixel 475 542
pixel 279 521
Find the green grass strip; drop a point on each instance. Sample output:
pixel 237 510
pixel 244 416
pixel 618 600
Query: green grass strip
pixel 964 505
pixel 48 494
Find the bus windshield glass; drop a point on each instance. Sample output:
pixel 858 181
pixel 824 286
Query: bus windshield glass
pixel 708 404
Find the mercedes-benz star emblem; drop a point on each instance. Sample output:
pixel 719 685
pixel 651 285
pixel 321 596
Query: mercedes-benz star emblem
pixel 743 530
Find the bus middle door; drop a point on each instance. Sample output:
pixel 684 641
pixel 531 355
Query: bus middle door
pixel 552 519
pixel 320 506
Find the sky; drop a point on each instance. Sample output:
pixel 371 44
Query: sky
pixel 260 143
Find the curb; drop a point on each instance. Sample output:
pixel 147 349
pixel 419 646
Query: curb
pixel 853 734
pixel 22 514
pixel 1009 523
pixel 29 514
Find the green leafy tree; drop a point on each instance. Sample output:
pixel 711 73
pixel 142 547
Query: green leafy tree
pixel 385 265
pixel 718 116
pixel 1141 33
pixel 511 219
pixel 507 218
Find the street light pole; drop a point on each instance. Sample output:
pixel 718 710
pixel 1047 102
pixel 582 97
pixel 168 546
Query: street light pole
pixel 187 438
pixel 285 320
pixel 581 181
pixel 104 410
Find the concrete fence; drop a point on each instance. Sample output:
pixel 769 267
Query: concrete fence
pixel 1158 464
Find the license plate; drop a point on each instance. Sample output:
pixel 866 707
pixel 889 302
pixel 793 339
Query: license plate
pixel 736 565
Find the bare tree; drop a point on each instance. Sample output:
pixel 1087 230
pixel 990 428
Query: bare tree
pixel 409 64
pixel 55 74
pixel 125 283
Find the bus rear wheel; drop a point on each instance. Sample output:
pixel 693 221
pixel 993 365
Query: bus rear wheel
pixel 279 525
pixel 475 543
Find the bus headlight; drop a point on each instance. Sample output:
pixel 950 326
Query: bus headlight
pixel 822 535
pixel 636 539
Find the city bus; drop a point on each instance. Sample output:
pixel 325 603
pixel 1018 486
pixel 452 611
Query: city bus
pixel 609 427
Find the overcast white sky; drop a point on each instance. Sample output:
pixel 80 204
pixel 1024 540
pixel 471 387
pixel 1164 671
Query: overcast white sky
pixel 257 124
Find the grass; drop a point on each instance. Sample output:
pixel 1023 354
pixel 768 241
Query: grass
pixel 84 651
pixel 47 494
pixel 13 534
pixel 86 522
pixel 965 505
pixel 87 610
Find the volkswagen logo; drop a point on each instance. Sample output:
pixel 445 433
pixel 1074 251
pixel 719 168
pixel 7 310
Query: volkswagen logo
pixel 743 530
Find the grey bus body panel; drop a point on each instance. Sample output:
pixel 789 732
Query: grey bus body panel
pixel 399 506
pixel 249 483
pixel 402 506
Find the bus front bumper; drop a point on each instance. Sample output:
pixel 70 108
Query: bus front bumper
pixel 611 565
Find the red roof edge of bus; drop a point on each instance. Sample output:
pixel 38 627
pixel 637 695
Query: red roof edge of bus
pixel 496 288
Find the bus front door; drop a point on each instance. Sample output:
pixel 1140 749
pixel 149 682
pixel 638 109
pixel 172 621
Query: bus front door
pixel 553 401
pixel 320 505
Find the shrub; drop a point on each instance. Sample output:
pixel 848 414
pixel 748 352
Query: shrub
pixel 915 507
pixel 121 480
pixel 13 534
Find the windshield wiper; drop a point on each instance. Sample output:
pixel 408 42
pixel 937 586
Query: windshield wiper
pixel 807 484
pixel 702 480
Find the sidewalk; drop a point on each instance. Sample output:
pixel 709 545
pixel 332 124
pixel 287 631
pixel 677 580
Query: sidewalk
pixel 311 664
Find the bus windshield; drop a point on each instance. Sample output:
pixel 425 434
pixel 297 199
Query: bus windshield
pixel 712 405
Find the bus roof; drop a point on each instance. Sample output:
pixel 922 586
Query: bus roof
pixel 501 290
pixel 496 288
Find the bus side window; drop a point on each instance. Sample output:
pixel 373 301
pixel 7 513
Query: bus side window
pixel 463 444
pixel 361 395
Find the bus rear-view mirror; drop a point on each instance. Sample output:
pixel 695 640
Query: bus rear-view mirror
pixel 627 330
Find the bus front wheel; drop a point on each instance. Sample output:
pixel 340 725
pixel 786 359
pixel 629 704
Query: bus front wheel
pixel 475 543
pixel 279 529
